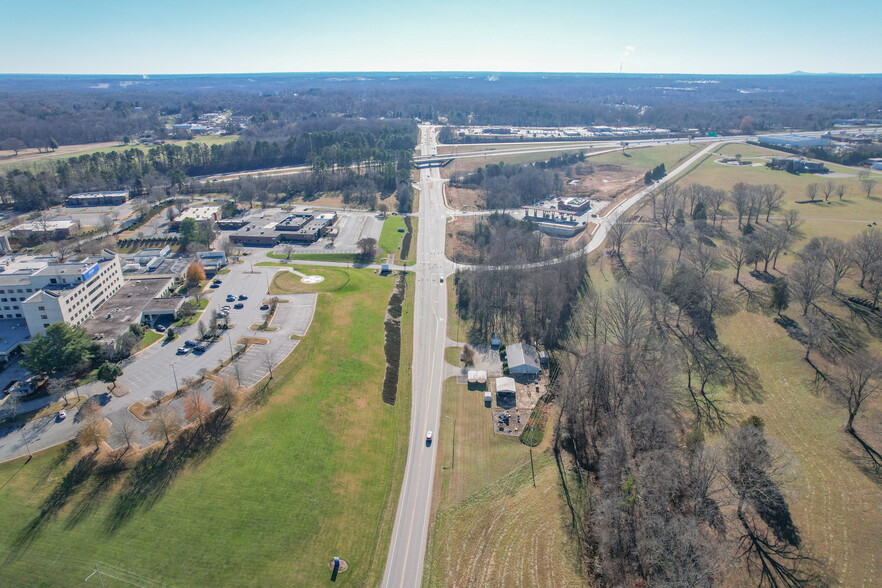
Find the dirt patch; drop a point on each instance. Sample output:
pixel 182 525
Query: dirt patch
pixel 252 341
pixel 139 410
pixel 464 198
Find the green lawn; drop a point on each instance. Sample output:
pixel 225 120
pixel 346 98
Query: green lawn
pixel 648 157
pixel 150 337
pixel 390 238
pixel 310 474
pixel 285 282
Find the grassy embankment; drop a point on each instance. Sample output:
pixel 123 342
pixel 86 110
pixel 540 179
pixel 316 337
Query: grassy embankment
pixel 310 474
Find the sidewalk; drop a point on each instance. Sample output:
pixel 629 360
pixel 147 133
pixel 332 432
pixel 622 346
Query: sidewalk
pixel 28 406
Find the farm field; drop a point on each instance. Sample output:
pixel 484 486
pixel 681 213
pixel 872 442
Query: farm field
pixel 269 503
pixel 649 157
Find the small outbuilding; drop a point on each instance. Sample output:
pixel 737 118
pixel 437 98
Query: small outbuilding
pixel 506 394
pixel 522 359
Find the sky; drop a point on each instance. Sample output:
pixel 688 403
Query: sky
pixel 224 36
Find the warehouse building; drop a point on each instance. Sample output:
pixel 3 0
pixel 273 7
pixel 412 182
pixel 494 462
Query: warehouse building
pixel 98 198
pixel 794 141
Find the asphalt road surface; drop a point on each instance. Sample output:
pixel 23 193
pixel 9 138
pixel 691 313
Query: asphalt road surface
pixel 404 565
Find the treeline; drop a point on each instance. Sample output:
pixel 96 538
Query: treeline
pixel 853 156
pixel 533 304
pixel 85 109
pixel 510 186
pixel 502 239
pixel 386 145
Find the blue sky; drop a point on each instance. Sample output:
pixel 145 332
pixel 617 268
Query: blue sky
pixel 223 36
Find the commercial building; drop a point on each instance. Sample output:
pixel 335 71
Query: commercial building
pixel 141 299
pixel 797 165
pixel 795 141
pixel 45 230
pixel 522 359
pixel 98 198
pixel 295 228
pixel 203 215
pixel 211 261
pixel 43 291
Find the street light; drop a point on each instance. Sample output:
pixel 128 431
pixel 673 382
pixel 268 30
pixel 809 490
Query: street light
pixel 177 388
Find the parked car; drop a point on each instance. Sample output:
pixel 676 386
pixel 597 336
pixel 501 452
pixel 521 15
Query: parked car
pixel 159 329
pixel 264 307
pixel 215 286
pixel 238 305
pixel 183 350
pixel 242 297
pixel 62 414
pixel 189 343
pixel 218 282
pixel 201 348
pixel 231 298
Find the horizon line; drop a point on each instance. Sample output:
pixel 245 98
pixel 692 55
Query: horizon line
pixel 450 71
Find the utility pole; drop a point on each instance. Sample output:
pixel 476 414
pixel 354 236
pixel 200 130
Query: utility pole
pixel 25 439
pixel 532 471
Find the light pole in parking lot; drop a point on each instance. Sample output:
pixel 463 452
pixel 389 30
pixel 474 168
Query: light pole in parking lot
pixel 174 373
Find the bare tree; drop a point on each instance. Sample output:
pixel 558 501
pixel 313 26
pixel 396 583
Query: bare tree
pixel 858 379
pixel 269 361
pixel 740 198
pixel 156 396
pixel 195 406
pixel 828 188
pixel 125 431
pixel 93 430
pixel 841 191
pixel 812 191
pixel 817 333
pixel 868 185
pixel 835 254
pixel 772 197
pixel 736 254
pixel 703 257
pixel 866 251
pixel 164 422
pixel 792 224
pixel 367 248
pixel 809 279
pixel 106 223
pixel 770 540
pixel 226 393
pixel 617 234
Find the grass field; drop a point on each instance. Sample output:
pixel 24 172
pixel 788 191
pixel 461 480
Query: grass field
pixel 390 238
pixel 648 157
pixel 311 474
pixel 854 206
pixel 286 282
pixel 491 527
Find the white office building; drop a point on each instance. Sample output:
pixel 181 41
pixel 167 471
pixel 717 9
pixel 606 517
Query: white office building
pixel 43 291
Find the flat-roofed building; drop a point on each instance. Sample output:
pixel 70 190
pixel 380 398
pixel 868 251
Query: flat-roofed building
pixel 49 230
pixel 42 291
pixel 203 215
pixel 98 198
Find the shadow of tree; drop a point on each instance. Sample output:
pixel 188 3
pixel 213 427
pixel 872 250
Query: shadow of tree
pixel 103 479
pixel 871 319
pixel 156 470
pixel 69 485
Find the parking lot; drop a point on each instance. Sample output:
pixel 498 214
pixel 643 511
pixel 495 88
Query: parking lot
pixel 158 367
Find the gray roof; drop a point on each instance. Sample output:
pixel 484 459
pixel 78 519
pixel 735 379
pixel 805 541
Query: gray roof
pixel 521 354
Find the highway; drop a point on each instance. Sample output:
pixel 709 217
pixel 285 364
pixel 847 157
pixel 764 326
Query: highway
pixel 404 564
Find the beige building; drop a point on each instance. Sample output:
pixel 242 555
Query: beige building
pixel 43 291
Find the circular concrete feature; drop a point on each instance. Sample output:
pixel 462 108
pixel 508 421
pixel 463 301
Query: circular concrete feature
pixel 312 279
